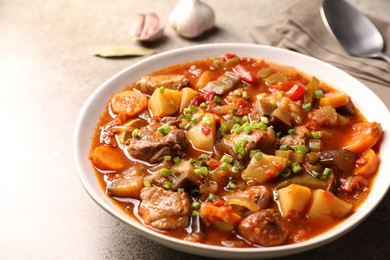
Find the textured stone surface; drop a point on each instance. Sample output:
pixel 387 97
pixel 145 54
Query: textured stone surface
pixel 47 70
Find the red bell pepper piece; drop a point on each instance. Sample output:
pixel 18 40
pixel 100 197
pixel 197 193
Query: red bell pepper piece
pixel 245 74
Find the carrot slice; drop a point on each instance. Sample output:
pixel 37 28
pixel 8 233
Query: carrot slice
pixel 372 162
pixel 130 102
pixel 108 158
pixel 364 136
pixel 334 99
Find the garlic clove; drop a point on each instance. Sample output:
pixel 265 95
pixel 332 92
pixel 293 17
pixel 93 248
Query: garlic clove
pixel 191 18
pixel 147 27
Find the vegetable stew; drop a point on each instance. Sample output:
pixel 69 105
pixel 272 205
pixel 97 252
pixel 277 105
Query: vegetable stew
pixel 236 152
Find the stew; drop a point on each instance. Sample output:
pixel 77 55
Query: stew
pixel 236 152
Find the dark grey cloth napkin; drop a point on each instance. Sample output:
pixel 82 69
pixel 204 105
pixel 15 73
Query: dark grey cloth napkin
pixel 301 29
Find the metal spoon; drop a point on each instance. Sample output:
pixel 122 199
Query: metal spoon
pixel 354 31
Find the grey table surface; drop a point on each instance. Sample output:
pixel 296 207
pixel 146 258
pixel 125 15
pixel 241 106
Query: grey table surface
pixel 47 71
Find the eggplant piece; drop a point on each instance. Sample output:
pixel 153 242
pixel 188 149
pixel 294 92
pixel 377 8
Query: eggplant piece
pixel 224 83
pixel 340 159
pixel 197 226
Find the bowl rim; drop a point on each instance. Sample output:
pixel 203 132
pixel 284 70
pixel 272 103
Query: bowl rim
pixel 196 248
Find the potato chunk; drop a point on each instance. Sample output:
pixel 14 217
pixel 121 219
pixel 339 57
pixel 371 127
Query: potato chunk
pixel 126 187
pixel 265 168
pixel 325 205
pixel 203 134
pixel 294 197
pixel 165 102
pixel 188 95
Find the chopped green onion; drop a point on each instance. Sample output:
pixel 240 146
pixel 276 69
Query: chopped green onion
pixel 237 129
pixel 319 93
pixel 194 120
pixel 316 135
pixel 240 149
pixel 232 186
pixel 263 127
pixel 194 109
pixel 202 170
pixel 235 169
pixel 224 166
pixel 217 62
pixel 181 116
pixel 278 134
pixel 172 103
pixel 264 120
pixel 296 167
pixel 307 107
pixel 253 152
pixel 235 119
pixel 227 159
pixel 162 90
pixel 245 95
pixel 194 213
pixel 217 99
pixel 187 126
pixel 315 174
pixel 180 190
pixel 165 172
pixel 195 205
pixel 193 161
pixel 167 158
pixel 177 160
pixel 255 125
pixel 202 157
pixel 258 156
pixel 286 173
pixel 237 92
pixel 248 129
pixel 284 147
pixel 193 67
pixel 135 133
pixel 207 120
pixel 291 131
pixel 164 130
pixel 326 173
pixel 203 105
pixel 300 149
pixel 187 110
pixel 142 168
pixel 245 119
pixel 222 130
pixel 167 185
pixel 147 183
pixel 212 197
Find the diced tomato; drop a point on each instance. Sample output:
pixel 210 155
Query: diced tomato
pixel 209 96
pixel 293 90
pixel 277 166
pixel 246 74
pixel 218 203
pixel 196 100
pixel 270 174
pixel 205 130
pixel 229 56
pixel 296 92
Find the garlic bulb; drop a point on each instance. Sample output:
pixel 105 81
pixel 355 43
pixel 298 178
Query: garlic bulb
pixel 147 27
pixel 191 18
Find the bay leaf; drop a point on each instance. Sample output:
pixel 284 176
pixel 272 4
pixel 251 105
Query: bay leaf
pixel 116 51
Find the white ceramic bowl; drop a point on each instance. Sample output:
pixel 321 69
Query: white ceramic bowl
pixel 368 103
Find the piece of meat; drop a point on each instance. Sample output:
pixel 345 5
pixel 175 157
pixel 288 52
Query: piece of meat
pixel 163 209
pixel 224 83
pixel 264 228
pixel 325 116
pixel 261 107
pixel 256 140
pixel 353 183
pixel 149 83
pixel 151 146
pixel 169 120
pixel 300 137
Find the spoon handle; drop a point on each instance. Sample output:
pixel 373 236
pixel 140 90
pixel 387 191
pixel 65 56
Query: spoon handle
pixel 384 56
